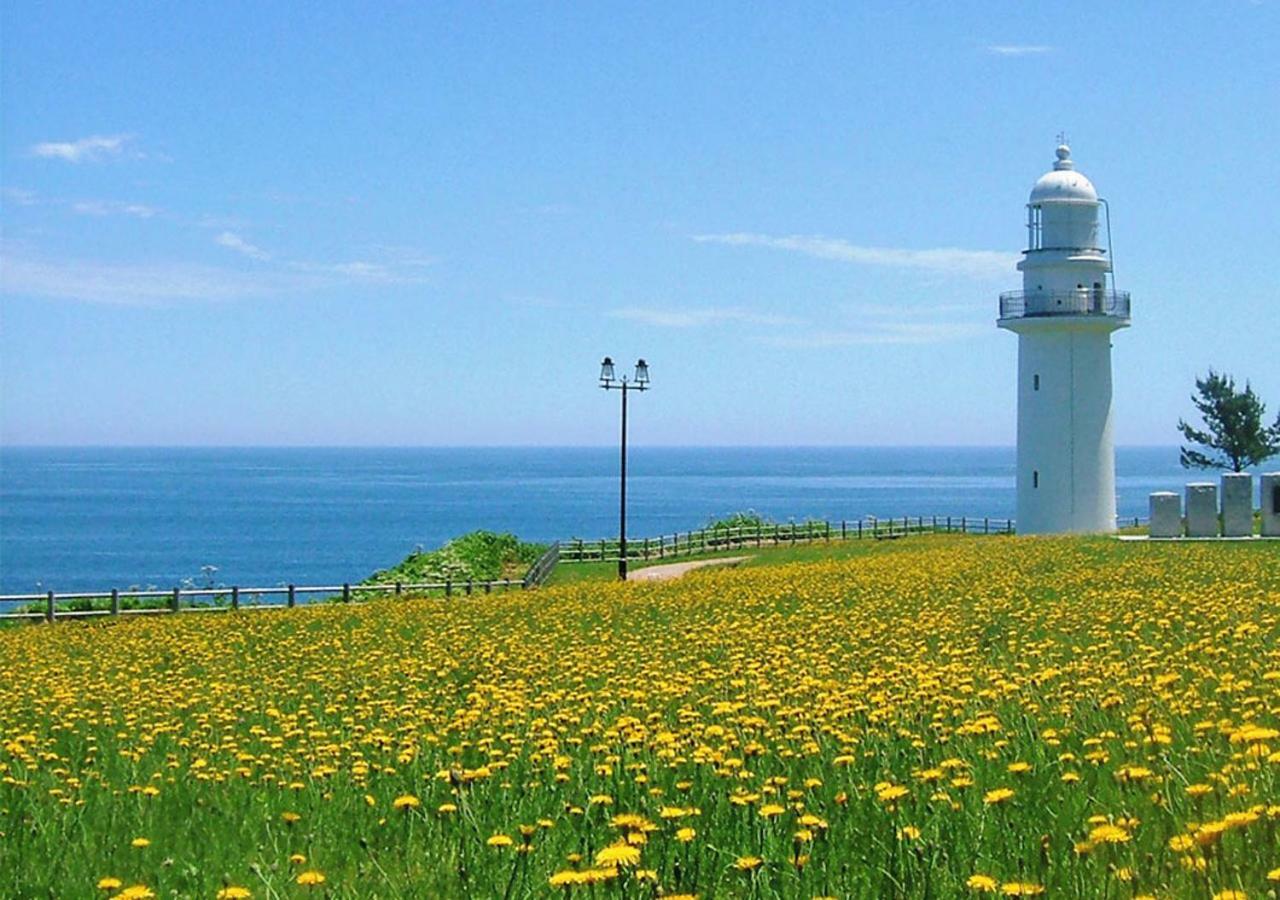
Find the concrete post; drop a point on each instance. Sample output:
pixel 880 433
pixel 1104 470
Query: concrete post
pixel 1237 504
pixel 1202 509
pixel 1165 514
pixel 1271 504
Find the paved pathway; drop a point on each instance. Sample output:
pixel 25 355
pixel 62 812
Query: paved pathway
pixel 675 570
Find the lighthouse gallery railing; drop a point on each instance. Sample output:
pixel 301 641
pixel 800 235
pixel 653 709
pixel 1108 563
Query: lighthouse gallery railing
pixel 1083 302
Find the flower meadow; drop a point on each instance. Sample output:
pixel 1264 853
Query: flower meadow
pixel 938 717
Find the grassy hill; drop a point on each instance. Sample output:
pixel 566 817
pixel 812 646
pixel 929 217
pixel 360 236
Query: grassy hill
pixel 929 717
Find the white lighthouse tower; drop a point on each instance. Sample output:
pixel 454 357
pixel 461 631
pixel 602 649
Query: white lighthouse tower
pixel 1064 316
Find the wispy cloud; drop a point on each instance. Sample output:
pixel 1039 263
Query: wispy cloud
pixel 109 208
pixel 23 273
pixel 20 196
pixel 1018 49
pixel 233 241
pixel 90 149
pixel 946 260
pixel 693 318
pixel 879 333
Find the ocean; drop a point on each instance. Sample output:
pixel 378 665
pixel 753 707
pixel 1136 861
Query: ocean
pixel 74 519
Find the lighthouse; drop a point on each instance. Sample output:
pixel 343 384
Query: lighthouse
pixel 1064 317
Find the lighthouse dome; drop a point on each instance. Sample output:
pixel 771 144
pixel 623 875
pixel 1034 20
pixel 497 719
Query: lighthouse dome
pixel 1064 184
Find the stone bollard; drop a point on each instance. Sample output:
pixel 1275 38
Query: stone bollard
pixel 1271 504
pixel 1237 504
pixel 1202 509
pixel 1165 514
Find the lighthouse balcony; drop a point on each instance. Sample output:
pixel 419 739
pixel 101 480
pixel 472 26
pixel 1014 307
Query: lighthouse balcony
pixel 1083 302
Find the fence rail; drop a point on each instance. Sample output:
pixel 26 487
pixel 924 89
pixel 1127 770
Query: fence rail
pixel 676 544
pixel 713 540
pixel 237 598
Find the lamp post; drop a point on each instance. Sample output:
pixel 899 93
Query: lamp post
pixel 639 382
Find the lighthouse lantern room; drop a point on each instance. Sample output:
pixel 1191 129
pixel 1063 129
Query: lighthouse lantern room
pixel 1064 317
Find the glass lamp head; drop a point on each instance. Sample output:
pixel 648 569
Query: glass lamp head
pixel 606 371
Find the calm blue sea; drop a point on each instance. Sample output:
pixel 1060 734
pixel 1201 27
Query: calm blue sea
pixel 84 519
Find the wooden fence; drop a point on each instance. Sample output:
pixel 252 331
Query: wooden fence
pixel 110 603
pixel 676 544
pixel 715 540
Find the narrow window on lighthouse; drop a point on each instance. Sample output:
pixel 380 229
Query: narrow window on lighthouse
pixel 1035 478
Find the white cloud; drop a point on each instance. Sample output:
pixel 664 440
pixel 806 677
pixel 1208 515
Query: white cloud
pixel 880 333
pixel 946 260
pixel 1018 49
pixel 132 285
pixel 233 241
pixel 693 318
pixel 89 149
pixel 20 197
pixel 23 273
pixel 107 208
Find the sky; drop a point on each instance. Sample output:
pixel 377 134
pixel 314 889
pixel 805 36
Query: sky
pixel 425 224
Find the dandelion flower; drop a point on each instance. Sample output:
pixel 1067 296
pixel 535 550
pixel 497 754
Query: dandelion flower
pixel 140 843
pixel 984 884
pixel 406 802
pixel 619 854
pixel 310 878
pixel 109 883
pixel 997 796
pixel 500 840
pixel 747 863
pixel 232 892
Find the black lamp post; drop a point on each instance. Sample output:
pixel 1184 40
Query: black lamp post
pixel 640 382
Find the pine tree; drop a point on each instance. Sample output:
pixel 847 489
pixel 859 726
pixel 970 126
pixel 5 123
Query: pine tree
pixel 1233 422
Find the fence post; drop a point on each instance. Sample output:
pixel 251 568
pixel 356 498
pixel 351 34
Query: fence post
pixel 50 612
pixel 964 525
pixel 859 529
pixel 469 586
pixel 176 601
pixel 115 601
pixel 1008 526
pixel 488 586
pixel 346 593
pixel 986 525
pixel 843 530
pixel 399 588
pixel 448 585
pixel 828 526
pixel 293 597
pixel 235 598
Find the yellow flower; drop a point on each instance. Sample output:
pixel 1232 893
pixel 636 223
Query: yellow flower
pixel 685 835
pixel 1021 889
pixel 1273 875
pixel 618 854
pixel 771 810
pixel 140 843
pixel 290 817
pixel 1181 843
pixel 997 796
pixel 135 892
pixel 297 859
pixel 1109 834
pixel 984 884
pixel 406 801
pixel 748 863
pixel 310 878
pixel 565 878
pixel 231 892
pixel 109 883
pixel 1230 895
pixel 500 840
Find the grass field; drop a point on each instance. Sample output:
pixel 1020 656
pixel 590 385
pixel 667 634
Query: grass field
pixel 931 717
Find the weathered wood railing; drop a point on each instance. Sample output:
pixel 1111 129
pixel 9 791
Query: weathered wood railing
pixel 112 603
pixel 714 540
pixel 676 544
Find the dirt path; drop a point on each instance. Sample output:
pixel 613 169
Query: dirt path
pixel 675 570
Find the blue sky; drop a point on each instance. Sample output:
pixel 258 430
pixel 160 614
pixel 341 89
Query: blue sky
pixel 425 223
